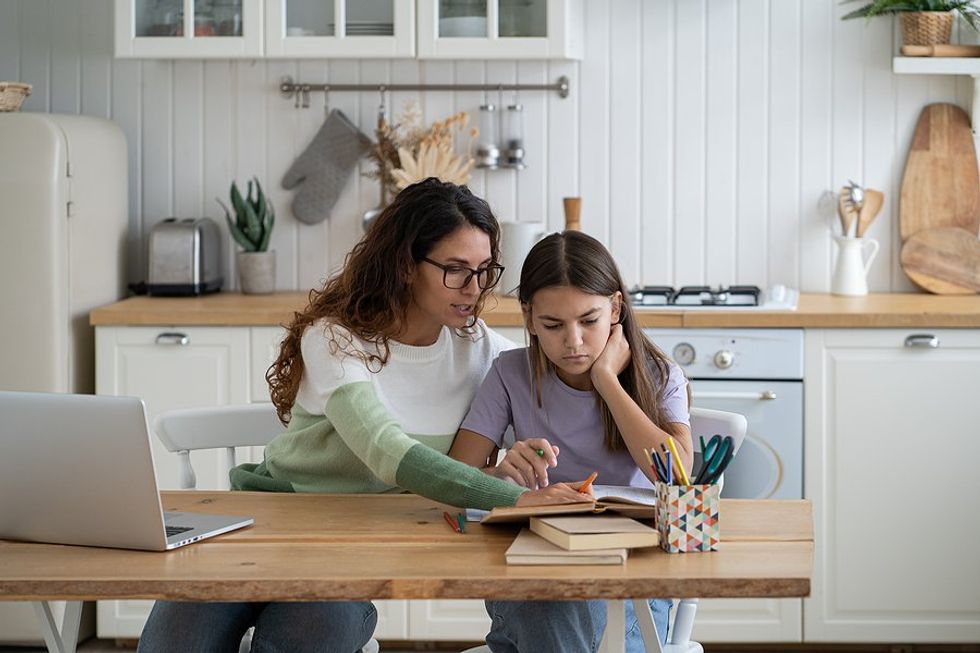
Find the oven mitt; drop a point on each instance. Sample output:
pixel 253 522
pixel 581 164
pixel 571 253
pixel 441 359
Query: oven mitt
pixel 322 170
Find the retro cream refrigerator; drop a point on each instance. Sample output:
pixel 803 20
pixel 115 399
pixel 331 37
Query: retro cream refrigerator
pixel 63 219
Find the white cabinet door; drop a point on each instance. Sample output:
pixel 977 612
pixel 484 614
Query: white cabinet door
pixel 500 29
pixel 340 28
pixel 188 29
pixel 392 620
pixel 457 620
pixel 891 467
pixel 749 620
pixel 265 350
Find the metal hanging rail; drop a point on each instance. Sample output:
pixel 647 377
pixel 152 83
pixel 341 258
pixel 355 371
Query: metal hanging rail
pixel 288 87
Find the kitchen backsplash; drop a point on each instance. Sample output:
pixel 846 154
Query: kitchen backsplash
pixel 699 137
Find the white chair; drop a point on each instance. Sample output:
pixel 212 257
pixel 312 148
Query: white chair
pixel 224 427
pixel 704 422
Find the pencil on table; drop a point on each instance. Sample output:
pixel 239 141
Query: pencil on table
pixel 452 522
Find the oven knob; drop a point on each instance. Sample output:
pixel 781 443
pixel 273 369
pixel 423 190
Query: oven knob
pixel 684 354
pixel 724 359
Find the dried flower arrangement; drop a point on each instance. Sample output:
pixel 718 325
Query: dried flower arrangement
pixel 407 152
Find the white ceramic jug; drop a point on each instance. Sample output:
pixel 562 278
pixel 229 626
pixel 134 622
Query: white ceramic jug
pixel 850 274
pixel 516 240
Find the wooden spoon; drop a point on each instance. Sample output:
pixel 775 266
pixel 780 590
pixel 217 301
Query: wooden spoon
pixel 873 201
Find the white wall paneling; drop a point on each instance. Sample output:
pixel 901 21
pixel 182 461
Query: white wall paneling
pixel 699 134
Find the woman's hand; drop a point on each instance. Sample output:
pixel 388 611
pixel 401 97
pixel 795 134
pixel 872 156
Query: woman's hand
pixel 525 466
pixel 613 359
pixel 557 493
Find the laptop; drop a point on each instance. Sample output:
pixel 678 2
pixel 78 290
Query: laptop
pixel 78 469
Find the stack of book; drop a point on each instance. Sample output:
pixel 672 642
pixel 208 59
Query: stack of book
pixel 579 540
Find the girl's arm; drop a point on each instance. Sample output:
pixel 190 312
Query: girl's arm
pixel 638 431
pixel 473 449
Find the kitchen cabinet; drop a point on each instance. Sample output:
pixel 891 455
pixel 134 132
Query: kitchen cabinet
pixel 188 29
pixel 500 29
pixel 339 28
pixel 357 29
pixel 891 457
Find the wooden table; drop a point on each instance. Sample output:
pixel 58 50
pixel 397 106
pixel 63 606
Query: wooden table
pixel 322 547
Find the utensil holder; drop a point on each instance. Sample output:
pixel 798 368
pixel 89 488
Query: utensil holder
pixel 688 516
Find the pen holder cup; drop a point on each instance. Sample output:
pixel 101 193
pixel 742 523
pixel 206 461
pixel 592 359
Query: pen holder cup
pixel 687 517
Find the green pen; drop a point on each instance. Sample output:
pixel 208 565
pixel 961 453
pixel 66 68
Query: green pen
pixel 540 452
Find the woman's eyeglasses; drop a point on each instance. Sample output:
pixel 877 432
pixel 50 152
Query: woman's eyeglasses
pixel 456 277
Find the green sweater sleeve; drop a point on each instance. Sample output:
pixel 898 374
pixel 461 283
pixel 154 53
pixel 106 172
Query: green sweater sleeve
pixel 369 431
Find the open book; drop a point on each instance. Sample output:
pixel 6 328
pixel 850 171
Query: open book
pixel 529 549
pixel 636 502
pixel 587 532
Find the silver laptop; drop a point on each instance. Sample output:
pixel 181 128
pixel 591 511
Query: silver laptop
pixel 78 469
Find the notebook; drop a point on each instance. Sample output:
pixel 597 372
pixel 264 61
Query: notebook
pixel 639 503
pixel 78 469
pixel 529 549
pixel 581 533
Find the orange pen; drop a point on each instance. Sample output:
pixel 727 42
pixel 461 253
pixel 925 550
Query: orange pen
pixel 587 483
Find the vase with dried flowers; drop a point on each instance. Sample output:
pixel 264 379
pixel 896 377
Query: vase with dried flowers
pixel 407 152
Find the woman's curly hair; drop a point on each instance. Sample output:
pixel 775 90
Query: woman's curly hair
pixel 370 295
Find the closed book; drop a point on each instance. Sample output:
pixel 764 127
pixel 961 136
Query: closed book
pixel 529 549
pixel 582 533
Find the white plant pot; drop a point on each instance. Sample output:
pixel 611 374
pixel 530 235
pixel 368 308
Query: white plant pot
pixel 257 272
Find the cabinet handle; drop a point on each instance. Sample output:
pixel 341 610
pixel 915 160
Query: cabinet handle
pixel 922 340
pixel 765 395
pixel 173 338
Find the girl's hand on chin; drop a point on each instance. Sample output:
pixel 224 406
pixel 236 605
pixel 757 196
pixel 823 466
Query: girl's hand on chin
pixel 614 357
pixel 555 494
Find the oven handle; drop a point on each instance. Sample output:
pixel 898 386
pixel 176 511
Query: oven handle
pixel 765 395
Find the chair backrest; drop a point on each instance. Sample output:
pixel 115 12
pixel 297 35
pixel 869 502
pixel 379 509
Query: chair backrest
pixel 706 422
pixel 222 427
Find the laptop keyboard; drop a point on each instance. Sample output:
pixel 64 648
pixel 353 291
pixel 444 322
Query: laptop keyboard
pixel 177 530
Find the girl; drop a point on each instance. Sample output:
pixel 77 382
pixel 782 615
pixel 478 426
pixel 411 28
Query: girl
pixel 589 394
pixel 373 378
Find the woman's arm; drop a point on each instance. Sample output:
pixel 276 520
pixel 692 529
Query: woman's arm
pixel 638 431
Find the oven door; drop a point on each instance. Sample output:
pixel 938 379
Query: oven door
pixel 769 464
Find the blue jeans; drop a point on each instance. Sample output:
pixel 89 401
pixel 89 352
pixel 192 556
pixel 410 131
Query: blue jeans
pixel 563 626
pixel 327 626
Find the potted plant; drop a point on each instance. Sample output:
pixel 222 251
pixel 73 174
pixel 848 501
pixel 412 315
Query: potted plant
pixel 924 22
pixel 251 228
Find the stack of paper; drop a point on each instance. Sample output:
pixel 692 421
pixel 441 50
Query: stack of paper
pixel 529 549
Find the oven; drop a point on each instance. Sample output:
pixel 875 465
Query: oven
pixel 758 373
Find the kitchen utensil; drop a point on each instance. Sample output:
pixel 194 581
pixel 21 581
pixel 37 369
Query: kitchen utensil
pixel 846 212
pixel 941 184
pixel 943 260
pixel 855 196
pixel 851 271
pixel 372 214
pixel 573 210
pixel 873 201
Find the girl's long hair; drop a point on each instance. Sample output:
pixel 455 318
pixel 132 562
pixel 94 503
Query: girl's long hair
pixel 576 260
pixel 371 294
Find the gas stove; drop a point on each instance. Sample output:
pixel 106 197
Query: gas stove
pixel 777 298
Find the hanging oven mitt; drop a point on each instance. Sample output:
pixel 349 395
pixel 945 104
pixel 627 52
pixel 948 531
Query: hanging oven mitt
pixel 323 168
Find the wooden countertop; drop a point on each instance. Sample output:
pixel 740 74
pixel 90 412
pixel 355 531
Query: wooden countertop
pixel 881 310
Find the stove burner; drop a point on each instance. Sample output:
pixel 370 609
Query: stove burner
pixel 696 296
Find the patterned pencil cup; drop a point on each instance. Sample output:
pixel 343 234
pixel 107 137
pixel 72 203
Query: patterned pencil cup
pixel 687 517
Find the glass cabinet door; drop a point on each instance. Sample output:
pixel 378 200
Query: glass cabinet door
pixel 467 29
pixel 188 28
pixel 356 28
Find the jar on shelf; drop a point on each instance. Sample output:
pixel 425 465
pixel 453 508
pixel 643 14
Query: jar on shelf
pixel 487 152
pixel 228 18
pixel 513 154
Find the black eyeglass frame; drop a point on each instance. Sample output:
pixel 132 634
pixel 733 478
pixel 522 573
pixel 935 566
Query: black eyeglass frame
pixel 478 273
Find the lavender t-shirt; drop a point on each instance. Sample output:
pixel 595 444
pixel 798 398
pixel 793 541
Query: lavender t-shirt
pixel 567 417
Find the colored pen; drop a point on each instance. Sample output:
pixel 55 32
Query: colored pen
pixel 677 461
pixel 668 466
pixel 452 522
pixel 646 452
pixel 540 452
pixel 584 487
pixel 462 522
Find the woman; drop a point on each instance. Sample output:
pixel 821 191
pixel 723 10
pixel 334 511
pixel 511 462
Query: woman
pixel 373 378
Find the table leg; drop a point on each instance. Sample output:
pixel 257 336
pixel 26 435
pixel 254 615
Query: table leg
pixel 66 639
pixel 614 636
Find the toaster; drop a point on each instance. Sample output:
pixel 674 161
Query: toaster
pixel 184 257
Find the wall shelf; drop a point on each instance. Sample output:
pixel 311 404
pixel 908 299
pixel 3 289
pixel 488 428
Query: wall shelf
pixel 947 66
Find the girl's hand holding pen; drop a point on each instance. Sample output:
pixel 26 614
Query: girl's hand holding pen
pixel 527 463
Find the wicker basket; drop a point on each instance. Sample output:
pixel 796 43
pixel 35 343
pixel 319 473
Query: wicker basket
pixel 12 95
pixel 926 27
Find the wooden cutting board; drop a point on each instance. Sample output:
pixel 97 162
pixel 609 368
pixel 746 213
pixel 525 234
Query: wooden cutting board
pixel 941 185
pixel 943 260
